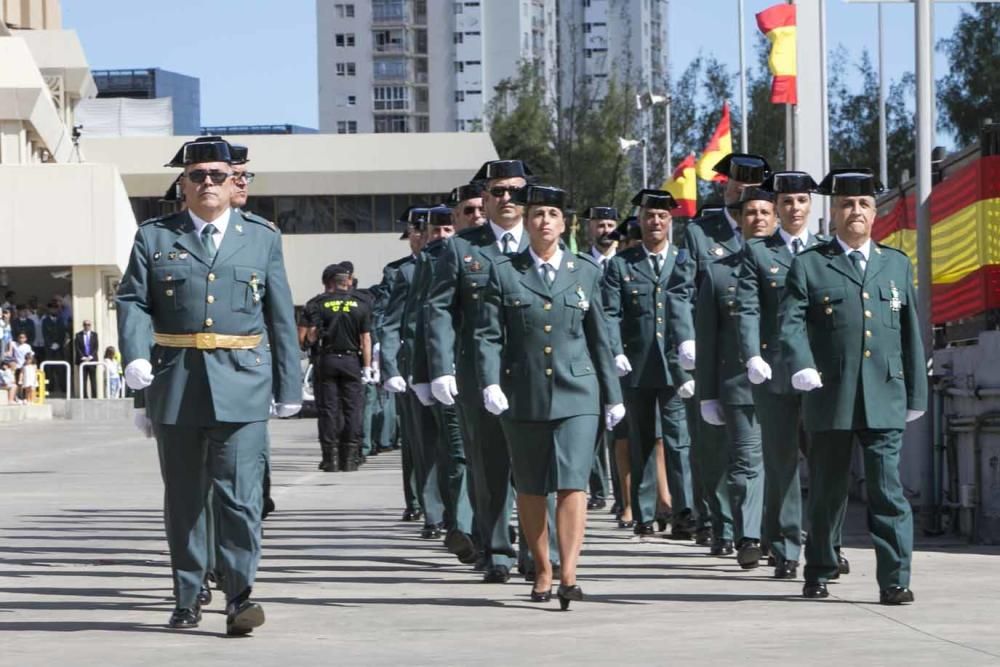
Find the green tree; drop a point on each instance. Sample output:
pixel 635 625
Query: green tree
pixel 521 122
pixel 968 94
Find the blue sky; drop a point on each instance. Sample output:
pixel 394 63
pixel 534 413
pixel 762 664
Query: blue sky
pixel 257 58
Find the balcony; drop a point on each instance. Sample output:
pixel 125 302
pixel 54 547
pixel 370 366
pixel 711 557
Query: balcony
pixel 388 13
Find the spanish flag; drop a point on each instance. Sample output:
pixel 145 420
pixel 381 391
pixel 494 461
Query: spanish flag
pixel 778 25
pixel 719 146
pixel 683 186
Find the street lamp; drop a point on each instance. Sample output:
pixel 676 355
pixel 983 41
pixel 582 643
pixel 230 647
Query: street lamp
pixel 628 144
pixel 649 100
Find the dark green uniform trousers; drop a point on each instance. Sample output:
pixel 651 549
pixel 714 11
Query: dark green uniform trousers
pixel 385 426
pixel 451 465
pixel 780 428
pixel 227 460
pixel 424 430
pixel 890 518
pixel 745 473
pixel 711 454
pixel 699 494
pixel 598 481
pixel 488 465
pixel 407 444
pixel 653 413
pixel 368 418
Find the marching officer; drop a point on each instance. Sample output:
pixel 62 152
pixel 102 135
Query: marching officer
pixel 645 287
pixel 205 303
pixel 778 406
pixel 340 326
pixel 724 389
pixel 466 203
pixel 850 332
pixel 714 235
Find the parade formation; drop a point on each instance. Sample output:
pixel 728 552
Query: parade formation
pixel 691 366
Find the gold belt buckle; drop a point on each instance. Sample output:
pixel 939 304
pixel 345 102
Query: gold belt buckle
pixel 205 341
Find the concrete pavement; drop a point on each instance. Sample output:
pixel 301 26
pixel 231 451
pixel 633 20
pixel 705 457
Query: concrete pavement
pixel 84 580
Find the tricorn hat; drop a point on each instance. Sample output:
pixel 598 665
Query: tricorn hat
pixel 542 195
pixel 202 149
pixel 752 193
pixel 743 167
pixel 629 229
pixel 601 213
pixel 439 216
pixel 502 169
pixel 850 182
pixel 789 182
pixel 659 199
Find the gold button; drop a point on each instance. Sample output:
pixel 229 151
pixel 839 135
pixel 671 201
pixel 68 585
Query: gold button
pixel 211 277
pixel 475 297
pixel 659 289
pixel 868 313
pixel 774 284
pixel 209 322
pixel 548 371
pixel 826 299
pixel 169 292
pixel 517 302
pixel 659 319
pixel 868 353
pixel 210 299
pixel 865 295
pixel 829 310
pixel 659 305
pixel 548 328
pixel 258 360
pixel 731 303
pixel 169 278
pixel 868 333
pixel 659 334
pixel 547 305
pixel 507 371
pixel 763 346
pixel 548 349
pixel 731 288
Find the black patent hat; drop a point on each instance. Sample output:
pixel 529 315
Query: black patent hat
pixel 753 193
pixel 502 169
pixel 658 199
pixel 464 192
pixel 541 195
pixel 629 229
pixel 789 182
pixel 202 149
pixel 439 216
pixel 850 182
pixel 743 167
pixel 240 153
pixel 601 213
pixel 415 218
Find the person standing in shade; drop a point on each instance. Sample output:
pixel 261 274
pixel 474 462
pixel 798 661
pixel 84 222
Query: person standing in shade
pixel 85 350
pixel 851 334
pixel 207 330
pixel 543 342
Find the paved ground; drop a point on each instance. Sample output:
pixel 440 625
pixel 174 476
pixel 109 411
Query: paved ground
pixel 84 580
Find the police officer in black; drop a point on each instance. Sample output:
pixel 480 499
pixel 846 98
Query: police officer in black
pixel 340 325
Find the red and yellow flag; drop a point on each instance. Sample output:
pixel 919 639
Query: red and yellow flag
pixel 778 25
pixel 719 146
pixel 683 185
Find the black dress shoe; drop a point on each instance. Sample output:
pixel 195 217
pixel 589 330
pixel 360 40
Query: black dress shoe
pixel 460 544
pixel 242 618
pixel 662 519
pixel 772 560
pixel 786 569
pixel 409 515
pixel 643 529
pixel 843 565
pixel 626 524
pixel 431 531
pixel 268 508
pixel 418 514
pixel 895 595
pixel 481 563
pixel 721 548
pixel 498 574
pixel 749 554
pixel 815 591
pixel 703 536
pixel 184 618
pixel 541 596
pixel 205 595
pixel 596 504
pixel 568 593
pixel 616 509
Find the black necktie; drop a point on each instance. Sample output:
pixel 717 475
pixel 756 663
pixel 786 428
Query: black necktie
pixel 656 264
pixel 550 273
pixel 508 242
pixel 858 260
pixel 796 246
pixel 206 237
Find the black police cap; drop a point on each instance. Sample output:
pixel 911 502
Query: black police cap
pixel 658 199
pixel 850 182
pixel 240 153
pixel 629 229
pixel 184 154
pixel 469 191
pixel 743 167
pixel 541 195
pixel 601 213
pixel 439 216
pixel 789 182
pixel 349 265
pixel 753 193
pixel 502 169
pixel 334 270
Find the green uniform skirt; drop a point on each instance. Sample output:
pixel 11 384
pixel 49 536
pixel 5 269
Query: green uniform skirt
pixel 551 456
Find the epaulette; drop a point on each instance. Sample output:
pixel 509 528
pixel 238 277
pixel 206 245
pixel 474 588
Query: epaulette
pixel 889 247
pixel 396 263
pixel 587 257
pixel 253 217
pixel 470 233
pixel 159 218
pixel 504 259
pixel 757 240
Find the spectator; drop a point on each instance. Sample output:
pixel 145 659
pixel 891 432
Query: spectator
pixel 54 335
pixel 113 369
pixel 29 378
pixel 20 350
pixel 38 340
pixel 85 349
pixel 6 331
pixel 23 324
pixel 9 299
pixel 8 380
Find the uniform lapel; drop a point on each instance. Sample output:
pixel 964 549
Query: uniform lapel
pixel 530 277
pixel 840 262
pixel 566 274
pixel 779 251
pixel 641 265
pixel 875 263
pixel 189 240
pixel 234 239
pixel 668 265
pixel 727 235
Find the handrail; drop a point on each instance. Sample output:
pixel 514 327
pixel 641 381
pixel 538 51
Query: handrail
pixel 69 374
pixel 107 378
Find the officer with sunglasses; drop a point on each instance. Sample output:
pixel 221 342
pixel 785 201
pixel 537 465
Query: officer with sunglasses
pixel 207 330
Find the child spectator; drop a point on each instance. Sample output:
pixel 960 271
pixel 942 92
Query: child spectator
pixel 113 368
pixel 8 382
pixel 21 349
pixel 29 378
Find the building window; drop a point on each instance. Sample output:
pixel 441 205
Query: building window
pixel 392 124
pixel 344 39
pixel 459 95
pixel 387 10
pixel 346 69
pixel 458 7
pixel 352 100
pixel 345 11
pixel 391 98
pixel 423 124
pixel 394 68
pixel 347 127
pixel 459 67
pixel 389 41
pixel 458 38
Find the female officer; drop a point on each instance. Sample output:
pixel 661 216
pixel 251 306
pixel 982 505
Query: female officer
pixel 543 342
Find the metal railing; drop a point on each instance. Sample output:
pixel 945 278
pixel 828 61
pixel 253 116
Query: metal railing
pixel 69 375
pixel 103 371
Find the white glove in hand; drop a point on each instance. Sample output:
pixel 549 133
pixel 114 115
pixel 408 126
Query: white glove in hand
pixel 711 412
pixel 396 384
pixel 423 392
pixel 376 375
pixel 613 414
pixel 139 374
pixel 622 366
pixel 758 370
pixel 685 355
pixel 286 410
pixel 494 400
pixel 686 390
pixel 143 423
pixel 913 415
pixel 367 375
pixel 806 380
pixel 445 389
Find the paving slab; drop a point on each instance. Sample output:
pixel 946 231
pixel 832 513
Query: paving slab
pixel 84 580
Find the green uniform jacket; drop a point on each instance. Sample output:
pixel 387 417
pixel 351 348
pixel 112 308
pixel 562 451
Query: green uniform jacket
pixel 397 327
pixel 171 287
pixel 762 282
pixel 453 303
pixel 721 372
pixel 546 346
pixel 382 299
pixel 862 336
pixel 707 240
pixel 423 275
pixel 641 308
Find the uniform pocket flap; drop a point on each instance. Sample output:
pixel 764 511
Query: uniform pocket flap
pixel 887 294
pixel 574 300
pixel 517 300
pixel 246 274
pixel 895 368
pixel 579 368
pixel 252 358
pixel 827 295
pixel 171 273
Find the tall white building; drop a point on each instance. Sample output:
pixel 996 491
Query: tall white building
pixel 426 65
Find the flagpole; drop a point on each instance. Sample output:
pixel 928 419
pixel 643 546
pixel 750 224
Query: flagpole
pixel 824 109
pixel 744 130
pixel 883 150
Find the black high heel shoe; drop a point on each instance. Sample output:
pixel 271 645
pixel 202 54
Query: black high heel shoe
pixel 626 524
pixel 662 519
pixel 567 594
pixel 541 596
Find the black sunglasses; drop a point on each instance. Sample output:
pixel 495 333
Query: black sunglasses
pixel 470 210
pixel 198 176
pixel 499 190
pixel 247 176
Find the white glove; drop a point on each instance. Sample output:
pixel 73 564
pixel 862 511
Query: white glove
pixel 622 366
pixel 367 375
pixel 806 380
pixel 143 423
pixel 423 392
pixel 54 346
pixel 711 412
pixel 758 370
pixel 376 374
pixel 286 410
pixel 444 389
pixel 138 374
pixel 685 354
pixel 686 390
pixel 494 400
pixel 913 415
pixel 396 384
pixel 613 414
